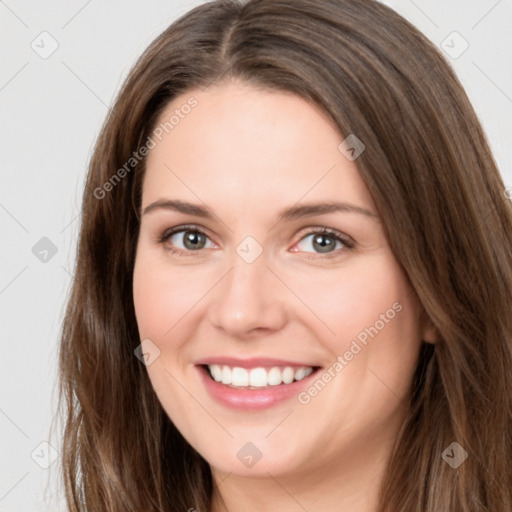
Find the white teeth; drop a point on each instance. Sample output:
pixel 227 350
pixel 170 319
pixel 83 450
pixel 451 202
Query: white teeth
pixel 226 375
pixel 216 372
pixel 240 377
pixel 288 375
pixel 258 377
pixel 300 374
pixel 274 377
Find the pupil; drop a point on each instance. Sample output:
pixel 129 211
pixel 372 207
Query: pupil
pixel 322 243
pixel 192 240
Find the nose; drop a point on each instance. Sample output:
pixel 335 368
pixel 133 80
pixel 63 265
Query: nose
pixel 249 300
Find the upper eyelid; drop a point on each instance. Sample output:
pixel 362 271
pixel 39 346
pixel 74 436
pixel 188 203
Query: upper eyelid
pixel 187 227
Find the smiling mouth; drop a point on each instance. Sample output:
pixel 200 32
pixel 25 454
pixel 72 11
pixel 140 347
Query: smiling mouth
pixel 257 378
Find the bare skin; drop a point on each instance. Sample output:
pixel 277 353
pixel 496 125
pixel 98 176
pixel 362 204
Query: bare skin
pixel 247 154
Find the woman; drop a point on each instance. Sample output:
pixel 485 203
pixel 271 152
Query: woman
pixel 293 283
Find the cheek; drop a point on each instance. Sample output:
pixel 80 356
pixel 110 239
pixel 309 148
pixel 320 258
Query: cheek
pixel 351 300
pixel 379 329
pixel 375 347
pixel 152 298
pixel 163 296
pixel 371 312
pixel 163 300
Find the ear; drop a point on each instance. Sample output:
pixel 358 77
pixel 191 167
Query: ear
pixel 428 332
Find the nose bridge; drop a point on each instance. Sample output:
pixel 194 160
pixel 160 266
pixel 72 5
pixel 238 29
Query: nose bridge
pixel 248 298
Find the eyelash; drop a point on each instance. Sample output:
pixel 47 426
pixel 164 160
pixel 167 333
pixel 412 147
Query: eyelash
pixel 337 235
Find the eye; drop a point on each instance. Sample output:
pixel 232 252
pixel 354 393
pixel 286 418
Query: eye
pixel 325 241
pixel 185 239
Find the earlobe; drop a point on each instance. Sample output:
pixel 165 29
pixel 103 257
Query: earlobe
pixel 430 334
pixel 428 331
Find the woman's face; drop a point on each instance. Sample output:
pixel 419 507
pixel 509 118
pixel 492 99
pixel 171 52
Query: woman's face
pixel 311 337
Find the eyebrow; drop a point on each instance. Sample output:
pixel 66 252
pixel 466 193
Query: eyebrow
pixel 292 213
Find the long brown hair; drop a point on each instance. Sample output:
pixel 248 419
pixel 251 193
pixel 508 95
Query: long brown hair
pixel 436 185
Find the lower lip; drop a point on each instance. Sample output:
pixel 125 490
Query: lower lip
pixel 252 399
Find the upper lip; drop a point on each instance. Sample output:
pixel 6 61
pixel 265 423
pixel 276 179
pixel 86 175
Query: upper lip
pixel 254 362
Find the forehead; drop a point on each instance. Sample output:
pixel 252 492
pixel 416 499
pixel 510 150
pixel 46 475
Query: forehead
pixel 243 145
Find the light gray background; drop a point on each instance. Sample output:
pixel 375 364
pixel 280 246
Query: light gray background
pixel 51 112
